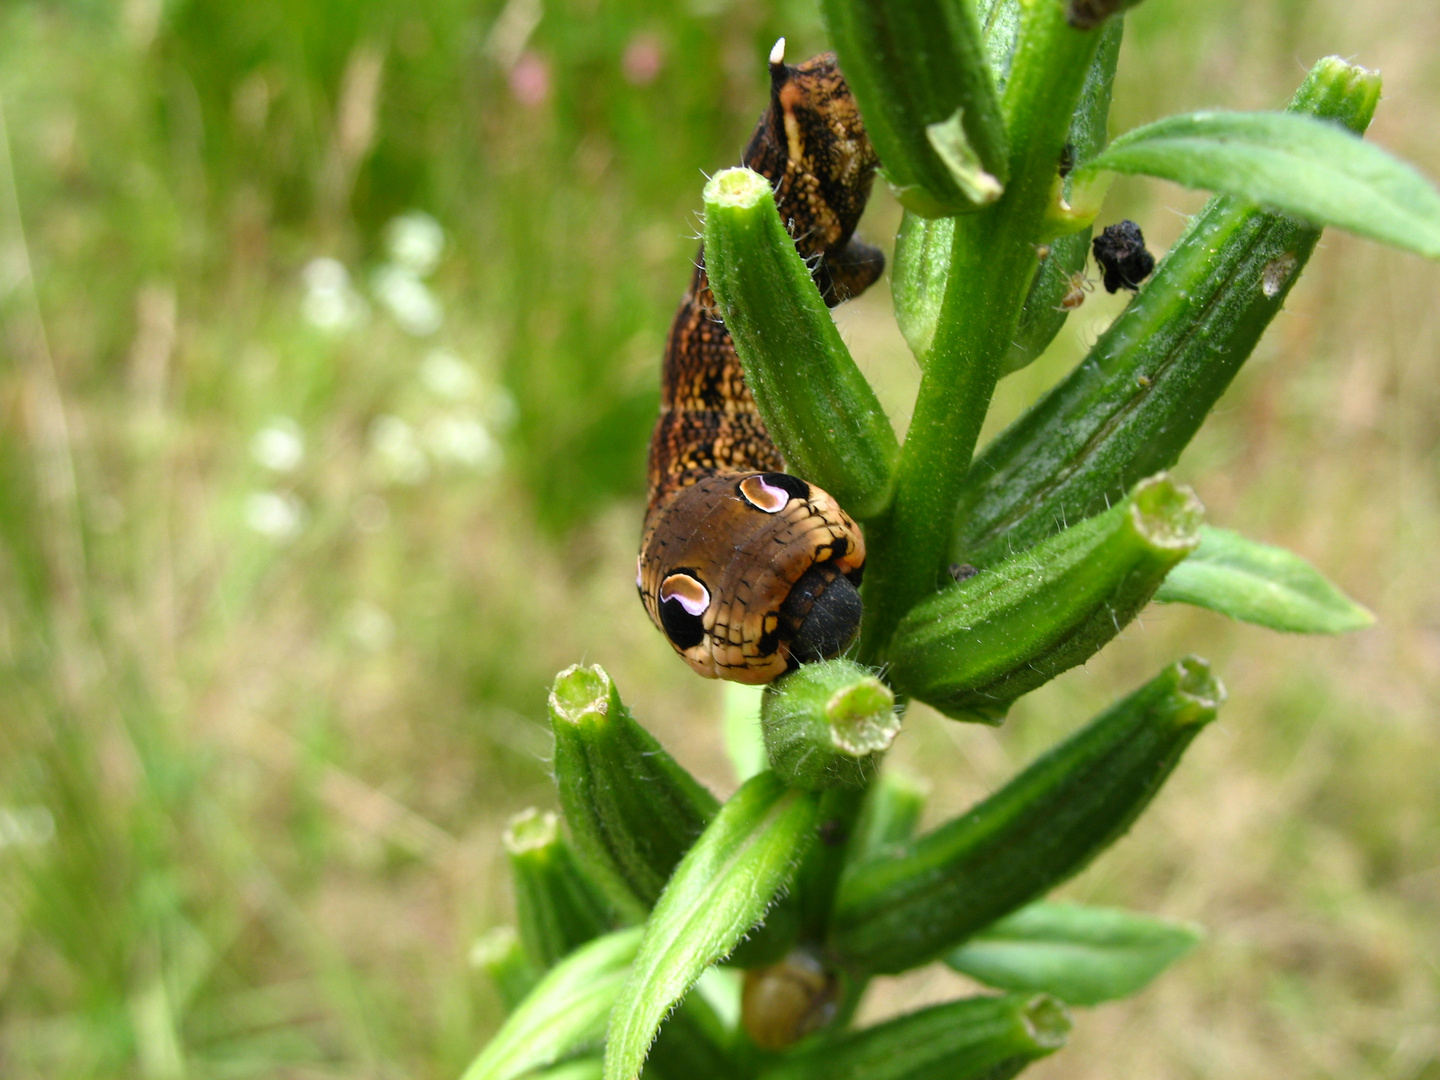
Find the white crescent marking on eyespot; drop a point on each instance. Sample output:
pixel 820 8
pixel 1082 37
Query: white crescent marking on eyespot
pixel 764 496
pixel 693 596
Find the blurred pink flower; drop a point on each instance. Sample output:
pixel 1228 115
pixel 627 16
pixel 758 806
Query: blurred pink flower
pixel 643 59
pixel 530 79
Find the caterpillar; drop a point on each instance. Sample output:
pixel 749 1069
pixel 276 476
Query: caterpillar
pixel 746 569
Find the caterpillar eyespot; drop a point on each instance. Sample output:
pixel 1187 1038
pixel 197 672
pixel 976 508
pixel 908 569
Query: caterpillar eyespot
pixel 772 492
pixel 777 560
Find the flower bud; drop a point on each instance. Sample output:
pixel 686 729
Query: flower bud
pixel 827 724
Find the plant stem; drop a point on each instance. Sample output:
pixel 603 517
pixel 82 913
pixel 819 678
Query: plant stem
pixel 993 261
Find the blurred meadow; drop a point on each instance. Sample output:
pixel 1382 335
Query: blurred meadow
pixel 329 345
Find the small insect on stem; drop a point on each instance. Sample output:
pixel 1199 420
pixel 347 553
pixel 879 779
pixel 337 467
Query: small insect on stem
pixel 1079 286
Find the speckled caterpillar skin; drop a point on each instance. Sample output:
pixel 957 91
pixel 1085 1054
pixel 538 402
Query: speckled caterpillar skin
pixel 737 557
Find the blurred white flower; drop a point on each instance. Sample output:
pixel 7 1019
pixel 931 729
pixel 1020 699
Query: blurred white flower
pixel 330 303
pixel 446 375
pixel 463 440
pixel 25 826
pixel 395 445
pixel 273 514
pixel 279 446
pixel 370 626
pixel 415 241
pixel 408 299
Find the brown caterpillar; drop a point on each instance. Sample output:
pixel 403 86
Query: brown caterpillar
pixel 747 569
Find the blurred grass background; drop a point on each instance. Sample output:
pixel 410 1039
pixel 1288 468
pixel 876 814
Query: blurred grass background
pixel 329 340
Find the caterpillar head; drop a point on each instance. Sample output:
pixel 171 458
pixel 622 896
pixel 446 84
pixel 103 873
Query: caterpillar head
pixel 748 574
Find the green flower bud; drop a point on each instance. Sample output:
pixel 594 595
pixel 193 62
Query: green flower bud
pixel 975 647
pixel 827 724
pixel 899 911
pixel 559 908
pixel 632 810
pixel 500 954
pixel 921 76
pixel 818 407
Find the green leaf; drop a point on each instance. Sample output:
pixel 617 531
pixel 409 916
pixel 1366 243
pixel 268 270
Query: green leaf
pixel 566 1011
pixel 1083 955
pixel 1305 167
pixel 1261 584
pixel 720 890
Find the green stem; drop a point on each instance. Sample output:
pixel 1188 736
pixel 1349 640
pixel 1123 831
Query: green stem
pixel 993 261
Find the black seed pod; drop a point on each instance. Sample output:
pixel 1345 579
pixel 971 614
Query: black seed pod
pixel 1120 251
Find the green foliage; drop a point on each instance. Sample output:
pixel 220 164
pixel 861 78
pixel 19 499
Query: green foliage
pixel 1261 584
pixel 567 1011
pixel 718 893
pixel 908 906
pixel 1061 571
pixel 1307 168
pixel 1083 955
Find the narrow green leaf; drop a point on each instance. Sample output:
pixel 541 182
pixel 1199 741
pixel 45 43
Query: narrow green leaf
pixel 817 406
pixel 1261 584
pixel 1083 955
pixel 565 1013
pixel 718 892
pixel 1297 164
pixel 915 904
pixel 980 1038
